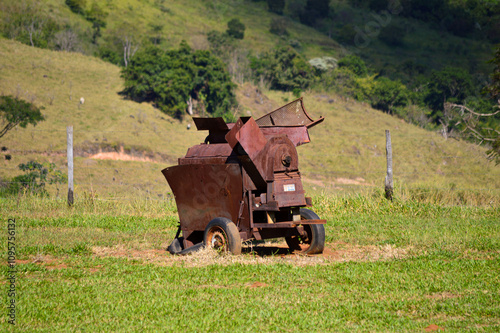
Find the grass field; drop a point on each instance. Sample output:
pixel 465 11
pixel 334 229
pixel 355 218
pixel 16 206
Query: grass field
pixel 388 266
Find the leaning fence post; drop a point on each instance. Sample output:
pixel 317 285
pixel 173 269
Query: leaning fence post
pixel 69 132
pixel 389 185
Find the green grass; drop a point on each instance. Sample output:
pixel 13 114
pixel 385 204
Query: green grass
pixel 390 266
pixel 120 295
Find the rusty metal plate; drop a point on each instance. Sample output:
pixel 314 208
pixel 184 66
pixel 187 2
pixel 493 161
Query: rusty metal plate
pixel 288 189
pixel 297 134
pixel 291 114
pixel 204 192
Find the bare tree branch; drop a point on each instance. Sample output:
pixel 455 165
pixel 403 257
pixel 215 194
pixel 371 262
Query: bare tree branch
pixel 463 107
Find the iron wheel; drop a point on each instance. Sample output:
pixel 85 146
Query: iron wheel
pixel 223 235
pixel 312 240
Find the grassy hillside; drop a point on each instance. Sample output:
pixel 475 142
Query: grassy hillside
pixel 346 151
pixel 170 22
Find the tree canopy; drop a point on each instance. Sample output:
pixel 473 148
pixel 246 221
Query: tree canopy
pixel 284 68
pixel 236 29
pixel 14 111
pixel 171 79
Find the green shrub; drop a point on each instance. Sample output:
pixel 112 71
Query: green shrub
pixel 76 6
pixel 35 176
pixel 283 68
pixel 387 95
pixel 355 64
pixel 170 79
pixel 347 34
pixel 276 6
pixel 278 26
pixel 236 29
pixel 392 35
pixel 450 84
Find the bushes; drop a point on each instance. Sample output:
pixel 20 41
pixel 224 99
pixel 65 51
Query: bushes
pixel 278 26
pixel 354 64
pixel 76 6
pixel 174 78
pixel 276 6
pixel 392 35
pixel 284 69
pixel 27 23
pixel 236 29
pixel 35 176
pixel 387 95
pixel 450 84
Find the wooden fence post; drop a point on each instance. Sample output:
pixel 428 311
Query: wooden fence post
pixel 389 185
pixel 69 132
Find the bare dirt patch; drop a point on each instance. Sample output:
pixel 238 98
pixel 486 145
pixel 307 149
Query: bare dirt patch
pixel 120 156
pixel 441 296
pixel 268 253
pixel 432 328
pixel 257 285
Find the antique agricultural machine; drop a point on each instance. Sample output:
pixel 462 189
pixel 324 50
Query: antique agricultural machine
pixel 244 183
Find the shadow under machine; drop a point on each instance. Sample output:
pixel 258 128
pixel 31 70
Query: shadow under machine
pixel 243 183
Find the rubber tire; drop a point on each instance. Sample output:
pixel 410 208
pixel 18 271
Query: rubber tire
pixel 315 232
pixel 228 230
pixel 176 246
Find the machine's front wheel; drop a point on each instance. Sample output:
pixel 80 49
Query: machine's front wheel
pixel 312 240
pixel 222 234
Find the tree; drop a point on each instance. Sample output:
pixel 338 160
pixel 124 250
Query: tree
pixel 76 6
pixel 284 68
pixel 175 78
pixel 35 176
pixel 26 22
pixel 276 6
pixel 494 88
pixel 66 40
pixel 236 29
pixel 278 26
pixel 479 118
pixel 97 16
pixel 314 11
pixel 393 35
pixel 388 95
pixel 355 64
pixel 448 85
pixel 14 111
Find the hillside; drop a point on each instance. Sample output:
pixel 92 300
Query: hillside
pixel 167 23
pixel 347 151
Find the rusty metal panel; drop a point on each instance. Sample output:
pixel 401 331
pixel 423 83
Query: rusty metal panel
pixel 297 134
pixel 212 150
pixel 291 114
pixel 288 189
pixel 210 124
pixel 205 191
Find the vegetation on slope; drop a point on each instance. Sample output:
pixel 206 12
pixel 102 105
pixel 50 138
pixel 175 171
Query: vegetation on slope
pixel 349 145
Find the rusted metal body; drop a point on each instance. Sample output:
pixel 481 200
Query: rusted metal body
pixel 247 173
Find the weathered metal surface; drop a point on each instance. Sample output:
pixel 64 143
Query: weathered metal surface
pixel 205 191
pixel 247 172
pixel 298 135
pixel 291 114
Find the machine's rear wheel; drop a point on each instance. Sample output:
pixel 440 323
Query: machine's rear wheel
pixel 222 234
pixel 312 240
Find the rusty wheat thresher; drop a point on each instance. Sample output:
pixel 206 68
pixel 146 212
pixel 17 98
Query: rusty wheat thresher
pixel 244 183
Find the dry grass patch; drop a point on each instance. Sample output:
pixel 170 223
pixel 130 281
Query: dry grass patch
pixel 269 253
